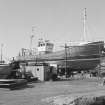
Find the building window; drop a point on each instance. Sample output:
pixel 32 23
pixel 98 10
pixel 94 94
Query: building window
pixel 37 69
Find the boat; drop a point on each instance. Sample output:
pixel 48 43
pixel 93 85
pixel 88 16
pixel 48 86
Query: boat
pixel 85 56
pixel 79 57
pixel 82 56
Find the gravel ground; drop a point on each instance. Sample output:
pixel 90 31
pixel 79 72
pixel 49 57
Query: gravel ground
pixel 37 93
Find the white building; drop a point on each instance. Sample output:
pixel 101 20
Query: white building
pixel 38 70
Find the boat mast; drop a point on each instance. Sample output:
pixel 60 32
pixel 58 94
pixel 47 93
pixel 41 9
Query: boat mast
pixel 1 53
pixel 31 40
pixel 84 23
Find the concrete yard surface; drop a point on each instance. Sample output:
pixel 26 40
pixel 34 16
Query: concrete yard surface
pixel 40 93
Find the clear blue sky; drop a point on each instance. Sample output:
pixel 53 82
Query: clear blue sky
pixel 57 20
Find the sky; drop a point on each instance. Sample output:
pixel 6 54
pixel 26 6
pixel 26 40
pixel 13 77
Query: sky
pixel 60 21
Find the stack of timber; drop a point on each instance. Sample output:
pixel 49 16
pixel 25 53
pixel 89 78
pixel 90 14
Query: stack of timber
pixel 12 83
pixel 5 71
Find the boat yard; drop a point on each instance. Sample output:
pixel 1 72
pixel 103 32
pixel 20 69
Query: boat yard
pixel 78 70
pixel 40 73
pixel 46 92
pixel 41 93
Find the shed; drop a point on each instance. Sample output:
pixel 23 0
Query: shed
pixel 39 70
